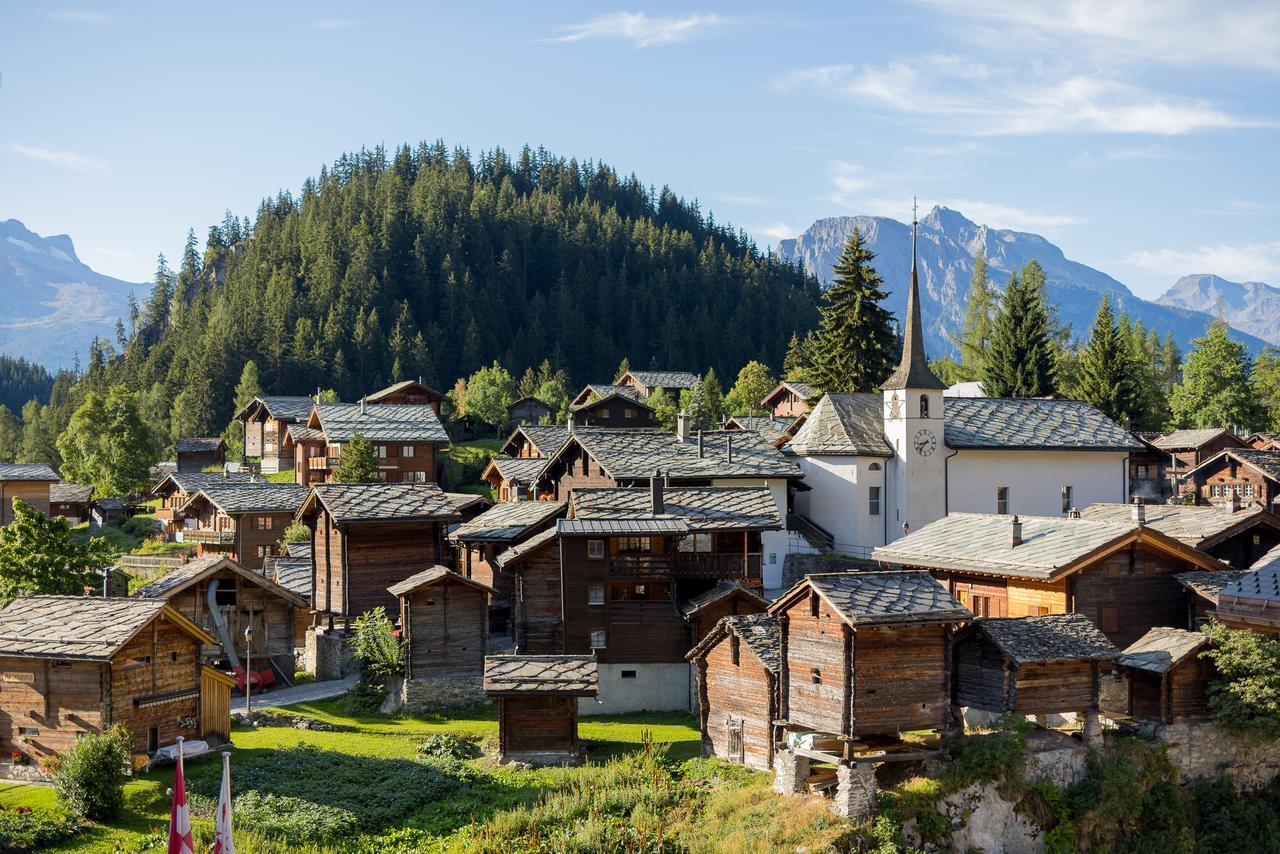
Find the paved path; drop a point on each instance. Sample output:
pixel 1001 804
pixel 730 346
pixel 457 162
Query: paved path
pixel 299 693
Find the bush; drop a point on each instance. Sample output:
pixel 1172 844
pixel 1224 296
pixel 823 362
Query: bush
pixel 365 698
pixel 1246 695
pixel 446 745
pixel 376 647
pixel 90 780
pixel 34 829
pixel 296 533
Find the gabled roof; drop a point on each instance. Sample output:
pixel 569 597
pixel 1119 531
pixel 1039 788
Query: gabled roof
pixel 70 493
pixel 190 482
pixel 801 390
pixel 81 628
pixel 722 591
pixel 1049 639
pixel 1186 440
pixel 874 598
pixel 27 471
pixel 1032 424
pixel 508 521
pixel 1195 525
pixel 662 379
pixel 378 422
pixel 1052 546
pixel 1209 584
pixel 237 498
pixel 564 675
pixel 519 551
pixel 201 568
pixel 845 425
pixel 466 500
pixel 202 445
pixel 298 549
pixel 523 469
pixel 280 407
pixel 637 454
pixel 771 427
pixel 1162 649
pixel 631 399
pixel 1266 463
pixel 303 433
pixel 381 502
pixel 1254 597
pixel 528 399
pixel 433 576
pixel 603 390
pixel 545 438
pixel 758 632
pixel 404 385
pixel 703 508
pixel 291 573
pixel 651 527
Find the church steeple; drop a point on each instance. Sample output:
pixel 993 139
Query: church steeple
pixel 913 371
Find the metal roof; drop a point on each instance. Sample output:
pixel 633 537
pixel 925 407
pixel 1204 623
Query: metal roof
pixel 86 628
pixel 26 471
pixel 1049 639
pixel 380 422
pixel 622 527
pixel 869 598
pixel 703 508
pixel 568 675
pixel 507 521
pixel 384 502
pixel 843 424
pixel 1161 649
pixel 1032 424
pixel 759 633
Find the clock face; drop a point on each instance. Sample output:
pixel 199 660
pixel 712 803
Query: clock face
pixel 925 442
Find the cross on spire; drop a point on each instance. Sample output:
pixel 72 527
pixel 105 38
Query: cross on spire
pixel 913 371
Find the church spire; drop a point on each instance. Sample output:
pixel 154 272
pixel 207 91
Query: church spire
pixel 913 371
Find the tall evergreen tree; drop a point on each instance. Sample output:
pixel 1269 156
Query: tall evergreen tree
pixel 1105 376
pixel 161 299
pixel 1020 358
pixel 248 388
pixel 624 368
pixel 979 318
pixel 10 435
pixel 1217 384
pixel 357 464
pixel 1266 382
pixel 854 348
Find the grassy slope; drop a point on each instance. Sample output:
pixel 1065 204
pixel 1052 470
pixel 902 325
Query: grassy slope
pixel 466 461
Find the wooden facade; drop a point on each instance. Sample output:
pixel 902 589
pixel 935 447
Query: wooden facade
pixel 444 622
pixel 28 482
pixel 408 393
pixel 199 454
pixel 245 537
pixel 529 410
pixel 1236 478
pixel 737 671
pixel 788 399
pixel 729 598
pixel 538 705
pixel 264 426
pixel 1189 448
pixel 616 411
pixel 70 501
pixel 537 621
pixel 1168 678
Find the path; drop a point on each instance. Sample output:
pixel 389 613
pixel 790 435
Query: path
pixel 299 694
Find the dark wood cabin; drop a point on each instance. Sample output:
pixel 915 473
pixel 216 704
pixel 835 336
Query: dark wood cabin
pixel 408 393
pixel 264 422
pixel 1232 534
pixel 242 521
pixel 70 501
pixel 866 654
pixel 1237 477
pixel 310 454
pixel 1149 473
pixel 529 410
pixel 1189 448
pixel 789 399
pixel 513 478
pixel 224 598
pixel 1253 600
pixel 407 440
pixel 1203 589
pixel 176 488
pixel 1031 665
pixel 538 705
pixel 1121 575
pixel 201 453
pixel 444 621
pixel 737 665
pixel 1168 679
pixel 617 410
pixel 30 482
pixel 537 620
pixel 76 664
pixel 366 537
pixel 470 505
pixel 728 598
pixel 529 441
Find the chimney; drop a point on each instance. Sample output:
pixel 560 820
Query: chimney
pixel 362 404
pixel 1074 513
pixel 700 444
pixel 569 424
pixel 728 446
pixel 1015 532
pixel 421 381
pixel 1233 501
pixel 682 427
pixel 514 488
pixel 656 505
pixel 225 476
pixel 1139 511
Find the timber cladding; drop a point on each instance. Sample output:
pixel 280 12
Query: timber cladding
pixel 162 661
pixel 738 703
pixel 986 680
pixel 356 562
pixel 44 704
pixel 537 724
pixel 447 628
pixel 35 493
pixel 538 625
pixel 1129 592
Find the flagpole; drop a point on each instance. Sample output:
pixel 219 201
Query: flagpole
pixel 223 843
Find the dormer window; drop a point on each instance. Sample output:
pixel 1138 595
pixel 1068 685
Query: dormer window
pixel 924 406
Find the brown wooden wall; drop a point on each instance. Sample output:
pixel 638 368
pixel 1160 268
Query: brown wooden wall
pixel 815 667
pixel 706 619
pixel 1130 592
pixel 57 699
pixel 613 413
pixel 199 460
pixel 900 679
pixel 569 474
pixel 739 696
pixel 276 620
pixel 35 493
pixel 984 679
pixel 1188 689
pixel 448 631
pixel 160 659
pixel 378 554
pixel 276 444
pixel 538 628
pixel 477 563
pixel 537 723
pixel 1245 548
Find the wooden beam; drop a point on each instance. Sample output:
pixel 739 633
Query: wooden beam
pixel 846 705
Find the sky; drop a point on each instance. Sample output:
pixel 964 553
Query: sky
pixel 1142 138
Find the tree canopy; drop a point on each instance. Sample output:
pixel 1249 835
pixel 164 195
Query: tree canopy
pixel 107 444
pixel 1106 368
pixel 357 464
pixel 755 380
pixel 38 555
pixel 1020 358
pixel 1216 388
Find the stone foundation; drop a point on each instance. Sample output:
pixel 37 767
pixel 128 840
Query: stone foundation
pixel 789 772
pixel 855 791
pixel 1056 758
pixel 328 655
pixel 424 695
pixel 1093 731
pixel 1201 750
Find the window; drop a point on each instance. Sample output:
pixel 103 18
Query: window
pixel 1066 498
pixel 1142 471
pixel 1248 490
pixel 924 406
pixel 263 523
pixel 1109 620
pixel 628 674
pixel 585 463
pixel 873 467
pixel 628 413
pixel 1002 499
pixel 266 551
pixel 597 639
pixel 380 451
pixel 28 731
pixel 406 451
pixel 873 500
pixel 595 549
pixel 415 476
pixel 605 413
pixel 1037 610
pixel 734 651
pixel 595 594
pixel 173 657
pixel 813 604
pixel 815 676
pixel 634 545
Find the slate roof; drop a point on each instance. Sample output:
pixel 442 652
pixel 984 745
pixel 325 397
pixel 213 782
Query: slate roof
pixel 772 427
pixel 843 424
pixel 1161 649
pixel 191 572
pixel 381 422
pixel 190 482
pixel 435 575
pixel 69 493
pixel 465 500
pixel 519 550
pixel 566 675
pixel 704 508
pixel 523 469
pixel 401 386
pixel 26 471
pixel 715 594
pixel 637 454
pixel 546 438
pixel 1209 584
pixel 804 390
pixel 85 628
pixel 623 527
pixel 1262 581
pixel 1049 639
pixel 1192 524
pixel 629 394
pixel 382 502
pixel 878 598
pixel 507 521
pixel 607 390
pixel 236 498
pixel 201 445
pixel 757 632
pixel 1187 439
pixel 303 433
pixel 287 408
pixel 665 379
pixel 291 573
pixel 298 549
pixel 1032 424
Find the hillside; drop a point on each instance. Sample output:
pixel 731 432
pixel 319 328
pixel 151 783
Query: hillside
pixel 947 243
pixel 1250 306
pixel 54 304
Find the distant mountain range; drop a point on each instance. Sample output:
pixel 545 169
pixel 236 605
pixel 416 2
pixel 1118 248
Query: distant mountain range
pixel 1253 307
pixel 54 304
pixel 947 244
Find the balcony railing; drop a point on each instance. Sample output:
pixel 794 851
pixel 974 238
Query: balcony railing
pixel 641 566
pixel 718 567
pixel 318 463
pixel 201 535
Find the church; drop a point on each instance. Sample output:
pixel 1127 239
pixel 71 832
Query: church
pixel 878 466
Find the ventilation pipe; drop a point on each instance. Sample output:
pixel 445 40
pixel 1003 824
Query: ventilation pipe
pixel 220 625
pixel 1138 513
pixel 656 503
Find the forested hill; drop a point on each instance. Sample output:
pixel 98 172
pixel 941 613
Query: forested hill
pixel 428 263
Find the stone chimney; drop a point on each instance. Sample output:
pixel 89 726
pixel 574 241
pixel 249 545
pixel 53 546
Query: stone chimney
pixel 700 448
pixel 728 446
pixel 516 488
pixel 656 504
pixel 1233 501
pixel 1015 532
pixel 362 404
pixel 682 427
pixel 1138 512
pixel 1074 513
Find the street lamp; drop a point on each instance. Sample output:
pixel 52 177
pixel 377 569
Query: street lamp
pixel 248 670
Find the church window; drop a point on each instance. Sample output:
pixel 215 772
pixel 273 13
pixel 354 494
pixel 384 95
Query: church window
pixel 924 406
pixel 873 467
pixel 1002 500
pixel 873 500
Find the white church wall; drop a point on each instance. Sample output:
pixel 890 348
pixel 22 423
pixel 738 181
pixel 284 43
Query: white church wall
pixel 1035 480
pixel 773 544
pixel 839 500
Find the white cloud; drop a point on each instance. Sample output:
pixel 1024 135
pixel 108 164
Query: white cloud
pixel 639 29
pixel 999 215
pixel 1086 159
pixel 80 16
pixel 847 180
pixel 1250 262
pixel 776 231
pixel 331 24
pixel 68 159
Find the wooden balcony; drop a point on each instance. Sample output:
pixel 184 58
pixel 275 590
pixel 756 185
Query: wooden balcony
pixel 165 514
pixel 718 567
pixel 320 463
pixel 212 538
pixel 641 567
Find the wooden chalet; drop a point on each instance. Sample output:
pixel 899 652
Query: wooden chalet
pixel 311 462
pixel 263 423
pixel 406 439
pixel 599 391
pixel 1121 575
pixel 30 482
pixel 538 705
pixel 1236 477
pixel 1168 679
pixel 176 488
pixel 1149 471
pixel 224 598
pixel 1234 535
pixel 529 410
pixel 1189 448
pixel 445 627
pixel 648 383
pixel 408 393
pixel 529 441
pixel 1264 441
pixel 537 619
pixel 469 505
pixel 618 410
pixel 200 454
pixel 366 537
pixel 70 501
pixel 728 598
pixel 737 665
pixel 1203 589
pixel 513 478
pixel 1253 600
pixel 789 399
pixel 1031 665
pixel 71 665
pixel 242 521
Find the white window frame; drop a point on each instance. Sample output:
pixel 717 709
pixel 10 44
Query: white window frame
pixel 595 549
pixel 598 639
pixel 595 594
pixel 1002 497
pixel 406 450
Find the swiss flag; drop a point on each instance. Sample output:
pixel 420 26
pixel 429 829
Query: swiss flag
pixel 180 815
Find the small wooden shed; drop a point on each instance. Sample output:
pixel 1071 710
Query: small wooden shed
pixel 737 666
pixel 538 705
pixel 726 598
pixel 1031 665
pixel 201 453
pixel 1168 679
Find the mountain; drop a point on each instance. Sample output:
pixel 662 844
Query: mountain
pixel 54 304
pixel 946 246
pixel 1251 306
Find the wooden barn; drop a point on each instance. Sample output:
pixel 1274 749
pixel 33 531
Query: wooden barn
pixel 444 621
pixel 30 482
pixel 264 422
pixel 1031 665
pixel 727 598
pixel 617 410
pixel 201 453
pixel 242 521
pixel 529 410
pixel 1168 680
pixel 789 399
pixel 76 664
pixel 407 440
pixel 530 441
pixel 513 478
pixel 70 501
pixel 737 664
pixel 537 621
pixel 366 537
pixel 1236 477
pixel 538 705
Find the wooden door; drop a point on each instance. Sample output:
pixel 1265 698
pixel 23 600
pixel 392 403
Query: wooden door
pixel 735 746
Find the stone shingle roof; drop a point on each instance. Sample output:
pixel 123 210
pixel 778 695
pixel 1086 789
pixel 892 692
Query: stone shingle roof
pixel 878 598
pixel 466 500
pixel 627 393
pixel 1049 639
pixel 201 445
pixel 287 408
pixel 1192 524
pixel 384 502
pixel 70 493
pixel 523 469
pixel 298 549
pixel 704 508
pixel 650 527
pixel 401 386
pixel 508 521
pixel 26 471
pixel 772 427
pixel 291 573
pixel 566 675
pixel 1209 584
pixel 86 628
pixel 720 591
pixel 194 570
pixel 520 550
pixel 1262 581
pixel 1161 649
pixel 381 422
pixel 1031 424
pixel 545 438
pixel 236 498
pixel 757 632
pixel 435 575
pixel 303 433
pixel 665 379
pixel 1187 439
pixel 602 391
pixel 637 454
pixel 191 482
pixel 843 424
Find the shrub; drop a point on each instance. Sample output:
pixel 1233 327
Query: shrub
pixel 296 533
pixel 990 758
pixel 293 819
pixel 365 698
pixel 1246 695
pixel 139 526
pixel 376 647
pixel 90 780
pixel 302 677
pixel 22 830
pixel 446 745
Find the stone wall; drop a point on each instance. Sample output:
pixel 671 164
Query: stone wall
pixel 423 695
pixel 1201 750
pixel 328 654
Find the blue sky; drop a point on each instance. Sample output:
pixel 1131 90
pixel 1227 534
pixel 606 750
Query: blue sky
pixel 1142 138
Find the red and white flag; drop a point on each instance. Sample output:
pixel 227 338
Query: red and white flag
pixel 180 815
pixel 222 841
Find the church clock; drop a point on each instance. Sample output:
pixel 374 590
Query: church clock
pixel 925 442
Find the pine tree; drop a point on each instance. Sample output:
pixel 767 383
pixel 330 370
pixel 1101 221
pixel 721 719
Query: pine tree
pixel 249 387
pixel 357 464
pixel 1020 358
pixel 795 364
pixel 715 397
pixel 528 383
pixel 854 348
pixel 624 368
pixel 1217 385
pixel 1266 382
pixel 693 405
pixel 979 312
pixel 10 435
pixel 1105 376
pixel 158 304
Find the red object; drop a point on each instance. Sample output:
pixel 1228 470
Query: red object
pixel 180 841
pixel 266 677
